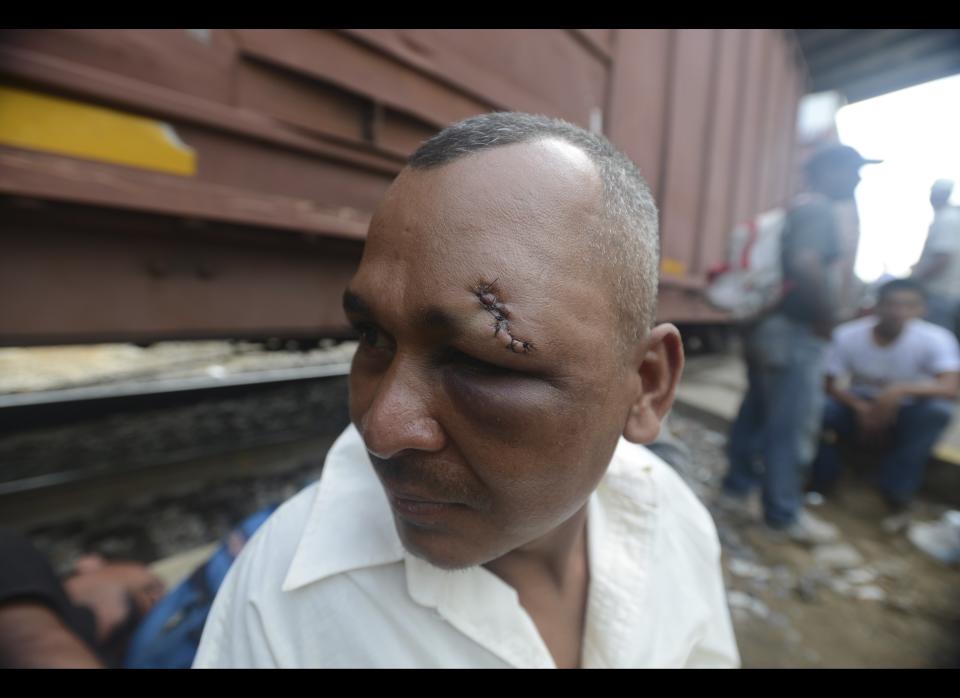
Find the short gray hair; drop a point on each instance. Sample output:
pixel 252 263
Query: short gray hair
pixel 630 241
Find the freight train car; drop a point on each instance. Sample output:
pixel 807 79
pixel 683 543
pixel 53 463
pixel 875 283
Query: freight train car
pixel 215 183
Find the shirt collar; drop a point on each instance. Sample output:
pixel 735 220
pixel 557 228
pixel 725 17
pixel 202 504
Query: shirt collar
pixel 351 522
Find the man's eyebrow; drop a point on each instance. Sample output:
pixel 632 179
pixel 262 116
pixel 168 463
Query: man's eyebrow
pixel 431 317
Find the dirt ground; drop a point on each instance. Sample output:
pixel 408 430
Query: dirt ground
pixel 874 600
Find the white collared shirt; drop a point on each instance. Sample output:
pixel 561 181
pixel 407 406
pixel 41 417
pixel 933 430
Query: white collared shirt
pixel 326 582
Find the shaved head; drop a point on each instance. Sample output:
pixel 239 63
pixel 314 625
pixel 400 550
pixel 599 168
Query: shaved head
pixel 624 239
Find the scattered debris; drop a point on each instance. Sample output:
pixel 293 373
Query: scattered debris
pixel 744 602
pixel 837 556
pixel 900 604
pixel 939 539
pixel 859 603
pixel 862 575
pixel 748 570
pixel 842 587
pixel 808 588
pixel 870 592
pixel 892 567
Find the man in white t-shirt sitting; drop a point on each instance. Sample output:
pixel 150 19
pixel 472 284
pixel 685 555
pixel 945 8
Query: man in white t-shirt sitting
pixel 902 379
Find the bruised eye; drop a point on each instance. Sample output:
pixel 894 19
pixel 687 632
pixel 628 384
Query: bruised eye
pixel 470 364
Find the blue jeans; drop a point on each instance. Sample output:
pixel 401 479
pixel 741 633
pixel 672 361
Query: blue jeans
pixel 774 435
pixel 912 437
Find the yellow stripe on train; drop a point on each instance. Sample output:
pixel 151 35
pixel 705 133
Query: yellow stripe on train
pixel 67 127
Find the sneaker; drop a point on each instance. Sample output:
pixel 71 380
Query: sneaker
pixel 809 530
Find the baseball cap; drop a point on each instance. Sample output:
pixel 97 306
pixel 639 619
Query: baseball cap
pixel 837 155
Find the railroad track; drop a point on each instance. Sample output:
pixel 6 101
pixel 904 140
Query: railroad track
pixel 55 437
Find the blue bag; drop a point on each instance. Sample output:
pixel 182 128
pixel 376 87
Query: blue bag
pixel 169 635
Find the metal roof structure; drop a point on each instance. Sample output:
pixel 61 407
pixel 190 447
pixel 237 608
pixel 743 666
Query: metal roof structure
pixel 865 63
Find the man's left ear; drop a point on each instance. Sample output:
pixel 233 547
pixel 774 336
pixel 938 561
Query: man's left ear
pixel 659 363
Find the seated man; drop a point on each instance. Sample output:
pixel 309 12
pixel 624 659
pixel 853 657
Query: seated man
pixel 903 374
pixel 490 505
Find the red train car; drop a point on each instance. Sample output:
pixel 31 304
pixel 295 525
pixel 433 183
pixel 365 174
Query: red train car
pixel 214 183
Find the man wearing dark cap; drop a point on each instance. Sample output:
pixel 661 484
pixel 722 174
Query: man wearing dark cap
pixel 774 435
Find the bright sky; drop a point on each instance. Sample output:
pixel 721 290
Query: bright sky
pixel 916 132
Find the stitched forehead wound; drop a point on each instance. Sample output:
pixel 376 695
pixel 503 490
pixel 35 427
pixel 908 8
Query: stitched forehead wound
pixel 489 298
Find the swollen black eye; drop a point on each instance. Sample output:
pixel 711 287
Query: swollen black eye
pixel 466 362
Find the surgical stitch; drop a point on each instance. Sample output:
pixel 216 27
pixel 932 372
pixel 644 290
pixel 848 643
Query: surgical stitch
pixel 486 294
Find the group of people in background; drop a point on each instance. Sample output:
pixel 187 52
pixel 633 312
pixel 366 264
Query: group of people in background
pixel 820 376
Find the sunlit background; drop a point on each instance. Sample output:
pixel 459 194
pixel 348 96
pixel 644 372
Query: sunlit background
pixel 916 132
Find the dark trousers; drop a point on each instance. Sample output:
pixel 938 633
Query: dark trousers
pixel 911 438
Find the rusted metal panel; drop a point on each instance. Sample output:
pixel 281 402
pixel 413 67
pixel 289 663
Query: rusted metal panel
pixel 400 133
pixel 539 70
pixel 786 128
pixel 308 104
pixel 547 63
pixel 751 101
pixel 592 44
pixel 297 134
pixel 770 161
pixel 778 155
pixel 762 164
pixel 125 277
pixel 104 87
pixel 638 96
pixel 685 159
pixel 800 82
pixel 168 58
pixel 602 39
pixel 50 177
pixel 342 61
pixel 426 51
pixel 715 218
pixel 255 167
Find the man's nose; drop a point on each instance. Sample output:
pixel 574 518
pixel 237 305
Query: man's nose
pixel 398 418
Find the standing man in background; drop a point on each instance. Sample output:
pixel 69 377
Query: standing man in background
pixel 779 418
pixel 939 267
